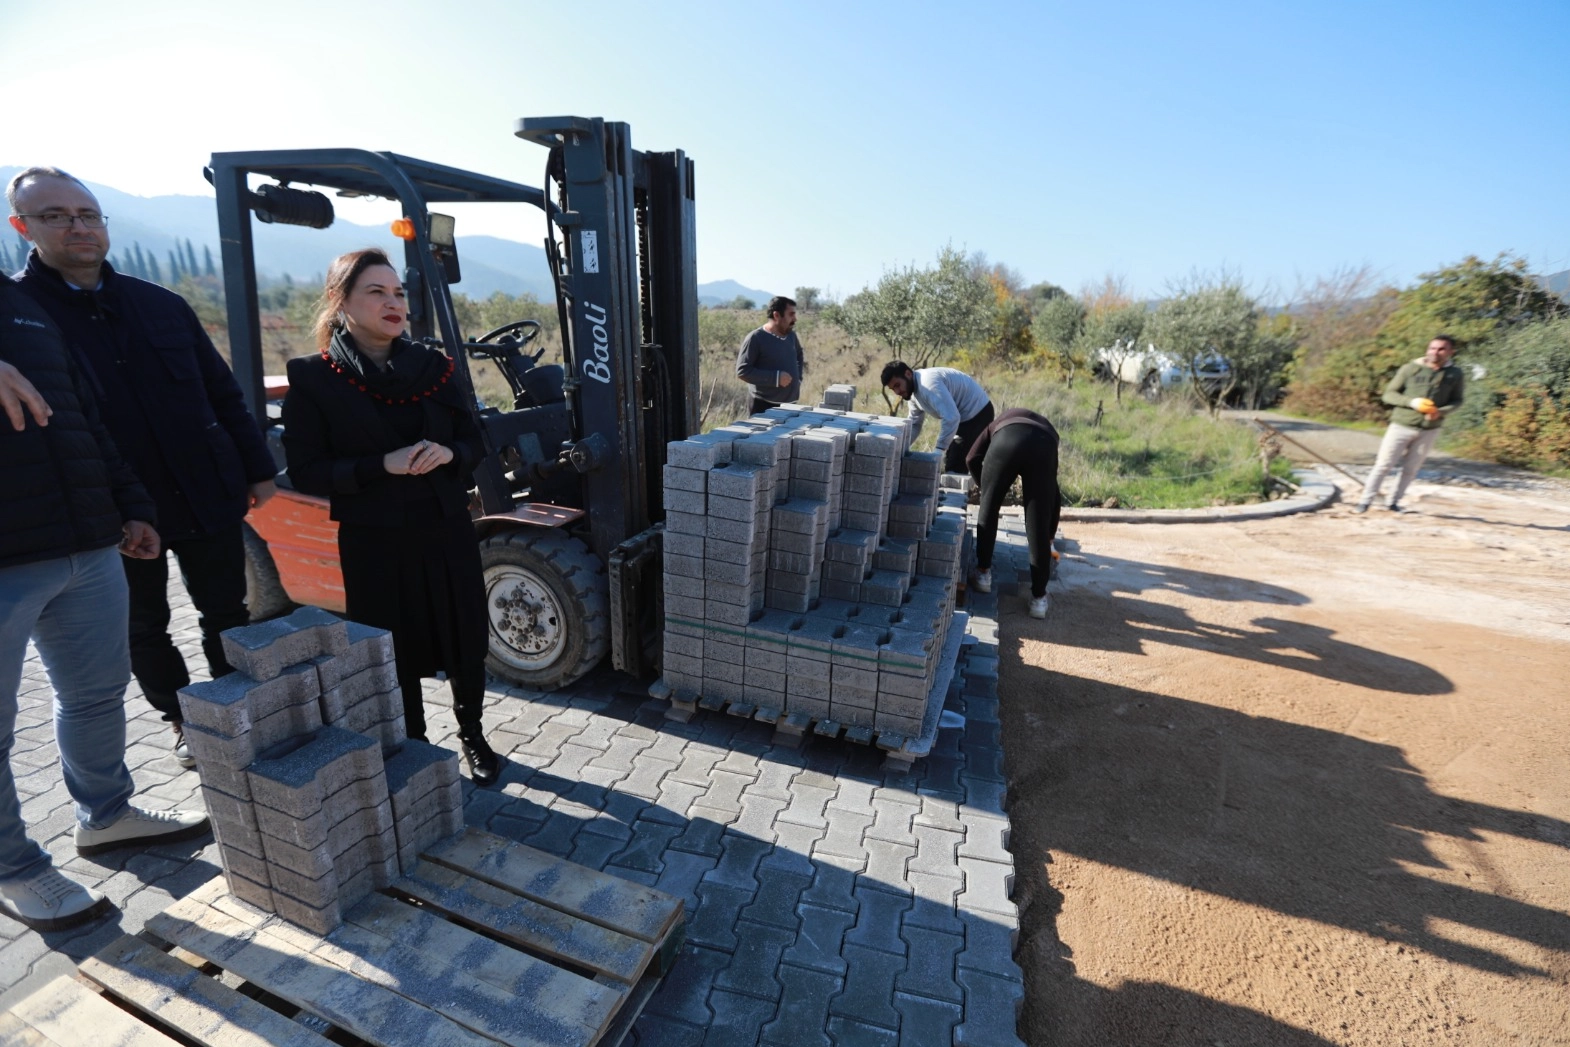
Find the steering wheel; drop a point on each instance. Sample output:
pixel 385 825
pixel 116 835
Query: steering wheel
pixel 506 337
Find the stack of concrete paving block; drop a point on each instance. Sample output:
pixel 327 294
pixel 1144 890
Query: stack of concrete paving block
pixel 292 750
pixel 426 796
pixel 326 826
pixel 834 602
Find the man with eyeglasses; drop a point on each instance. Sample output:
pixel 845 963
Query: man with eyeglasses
pixel 175 412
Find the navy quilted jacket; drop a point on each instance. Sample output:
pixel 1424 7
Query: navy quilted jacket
pixel 67 490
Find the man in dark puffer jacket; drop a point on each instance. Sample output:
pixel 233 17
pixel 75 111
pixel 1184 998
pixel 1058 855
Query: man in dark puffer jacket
pixel 174 410
pixel 69 501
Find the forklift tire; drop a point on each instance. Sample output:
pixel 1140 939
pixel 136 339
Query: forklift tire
pixel 547 605
pixel 264 593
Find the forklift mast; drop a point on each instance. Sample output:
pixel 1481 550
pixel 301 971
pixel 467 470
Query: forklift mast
pixel 622 251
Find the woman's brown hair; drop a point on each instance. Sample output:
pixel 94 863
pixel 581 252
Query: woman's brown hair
pixel 341 277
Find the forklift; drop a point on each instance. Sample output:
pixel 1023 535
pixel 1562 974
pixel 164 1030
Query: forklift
pixel 568 502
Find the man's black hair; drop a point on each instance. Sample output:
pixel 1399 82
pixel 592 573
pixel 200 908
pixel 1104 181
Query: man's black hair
pixel 893 369
pixel 778 304
pixel 1449 339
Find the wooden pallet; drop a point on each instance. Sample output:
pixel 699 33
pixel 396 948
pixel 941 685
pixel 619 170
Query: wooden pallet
pixel 487 942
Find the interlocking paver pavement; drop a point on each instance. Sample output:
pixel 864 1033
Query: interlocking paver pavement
pixel 830 900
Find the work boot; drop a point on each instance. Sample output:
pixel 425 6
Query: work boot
pixel 484 765
pixel 1360 508
pixel 983 581
pixel 1039 606
pixel 137 826
pixel 51 902
pixel 182 751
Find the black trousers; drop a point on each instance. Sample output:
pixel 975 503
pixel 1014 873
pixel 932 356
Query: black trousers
pixel 759 404
pixel 1031 455
pixel 213 569
pixel 964 436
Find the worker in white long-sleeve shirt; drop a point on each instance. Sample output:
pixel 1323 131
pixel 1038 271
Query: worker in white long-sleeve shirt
pixel 957 400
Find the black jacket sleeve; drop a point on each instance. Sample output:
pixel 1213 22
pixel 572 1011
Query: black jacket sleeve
pixel 228 403
pixel 314 466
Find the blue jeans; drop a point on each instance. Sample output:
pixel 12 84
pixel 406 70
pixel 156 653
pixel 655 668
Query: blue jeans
pixel 74 608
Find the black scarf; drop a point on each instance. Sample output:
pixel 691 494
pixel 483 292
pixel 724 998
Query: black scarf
pixel 413 371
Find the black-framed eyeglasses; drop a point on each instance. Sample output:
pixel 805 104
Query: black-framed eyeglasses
pixel 57 220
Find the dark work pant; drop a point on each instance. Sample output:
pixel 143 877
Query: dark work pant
pixel 213 569
pixel 1030 454
pixel 964 436
pixel 759 404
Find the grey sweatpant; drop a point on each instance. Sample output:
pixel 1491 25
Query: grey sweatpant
pixel 1402 446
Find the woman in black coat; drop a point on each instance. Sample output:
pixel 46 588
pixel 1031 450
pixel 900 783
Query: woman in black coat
pixel 374 423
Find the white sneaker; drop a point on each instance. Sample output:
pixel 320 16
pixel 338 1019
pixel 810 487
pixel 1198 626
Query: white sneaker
pixel 137 826
pixel 1039 605
pixel 182 751
pixel 51 902
pixel 983 581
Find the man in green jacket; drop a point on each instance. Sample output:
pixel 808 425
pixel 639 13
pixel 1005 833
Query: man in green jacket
pixel 1422 393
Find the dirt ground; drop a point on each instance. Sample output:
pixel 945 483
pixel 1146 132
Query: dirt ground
pixel 1300 781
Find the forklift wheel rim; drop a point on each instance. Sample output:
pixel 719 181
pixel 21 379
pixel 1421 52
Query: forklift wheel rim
pixel 540 610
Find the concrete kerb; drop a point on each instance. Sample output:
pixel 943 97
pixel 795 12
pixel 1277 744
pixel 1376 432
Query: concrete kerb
pixel 1316 492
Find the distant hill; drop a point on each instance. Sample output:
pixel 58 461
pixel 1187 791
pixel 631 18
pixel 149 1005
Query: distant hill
pixel 1559 283
pixel 723 292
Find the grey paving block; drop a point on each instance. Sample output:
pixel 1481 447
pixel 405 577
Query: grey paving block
pixel 704 832
pixel 936 851
pixel 713 924
pixel 775 903
pixel 847 1032
pixel 931 968
pixel 991 1011
pixel 927 1022
pixel 683 544
pixel 738 864
pixel 989 887
pixel 846 836
pixel 803 1011
pixel 677 522
pixel 737 1019
pixel 297 783
pixel 645 850
pixel 936 900
pixel 699 452
pixel 819 937
pixel 653 1030
pixel 878 917
pixel 219 751
pixel 754 966
pixel 263 650
pixel 990 942
pixel 869 986
pixel 678 478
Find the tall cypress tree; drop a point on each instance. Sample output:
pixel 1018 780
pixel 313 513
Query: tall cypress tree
pixel 190 258
pixel 141 263
pixel 174 266
pixel 153 272
pixel 207 254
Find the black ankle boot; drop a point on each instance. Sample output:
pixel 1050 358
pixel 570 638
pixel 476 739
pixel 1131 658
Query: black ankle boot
pixel 484 765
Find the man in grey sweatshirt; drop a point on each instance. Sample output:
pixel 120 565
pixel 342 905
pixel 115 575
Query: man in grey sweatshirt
pixel 771 359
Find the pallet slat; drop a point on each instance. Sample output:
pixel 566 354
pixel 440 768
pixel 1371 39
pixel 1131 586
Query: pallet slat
pixel 68 1013
pixel 586 893
pixel 527 922
pixel 189 1001
pixel 532 987
pixel 14 1032
pixel 372 1012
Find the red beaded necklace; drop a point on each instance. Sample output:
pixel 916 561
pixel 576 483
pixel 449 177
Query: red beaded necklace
pixel 352 380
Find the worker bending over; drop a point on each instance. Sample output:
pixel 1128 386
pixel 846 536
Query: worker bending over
pixel 1020 444
pixel 957 400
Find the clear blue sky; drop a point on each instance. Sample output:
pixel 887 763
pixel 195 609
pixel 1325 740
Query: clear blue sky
pixel 834 140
